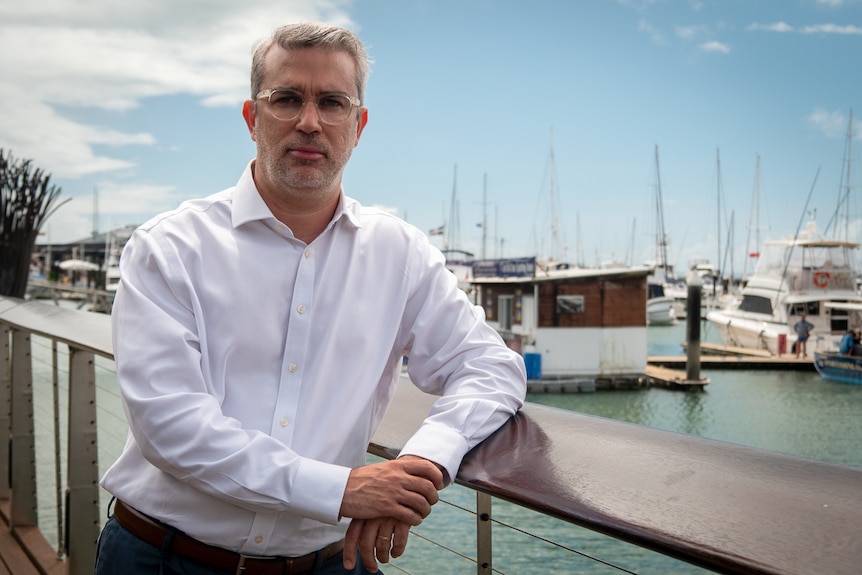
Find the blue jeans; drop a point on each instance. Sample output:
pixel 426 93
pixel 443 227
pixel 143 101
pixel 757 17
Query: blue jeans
pixel 121 553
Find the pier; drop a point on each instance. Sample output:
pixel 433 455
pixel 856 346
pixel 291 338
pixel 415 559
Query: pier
pixel 89 299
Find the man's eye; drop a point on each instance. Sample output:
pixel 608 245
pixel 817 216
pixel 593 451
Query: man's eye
pixel 285 99
pixel 333 102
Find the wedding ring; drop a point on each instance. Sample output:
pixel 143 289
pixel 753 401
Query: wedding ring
pixel 383 537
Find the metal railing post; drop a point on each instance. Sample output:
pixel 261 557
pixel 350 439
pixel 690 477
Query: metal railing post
pixel 484 557
pixel 23 444
pixel 5 411
pixel 83 477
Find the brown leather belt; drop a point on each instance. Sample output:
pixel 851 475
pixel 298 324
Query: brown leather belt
pixel 154 533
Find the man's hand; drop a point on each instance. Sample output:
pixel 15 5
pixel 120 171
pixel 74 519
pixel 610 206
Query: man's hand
pixel 376 539
pixel 403 489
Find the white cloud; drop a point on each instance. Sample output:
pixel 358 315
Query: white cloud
pixel 687 32
pixel 64 55
pixel 832 124
pixel 832 29
pixel 776 27
pixel 848 29
pixel 715 46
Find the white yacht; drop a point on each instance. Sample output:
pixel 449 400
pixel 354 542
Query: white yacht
pixel 795 276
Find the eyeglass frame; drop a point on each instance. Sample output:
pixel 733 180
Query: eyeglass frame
pixel 353 100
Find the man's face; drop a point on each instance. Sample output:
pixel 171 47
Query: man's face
pixel 303 159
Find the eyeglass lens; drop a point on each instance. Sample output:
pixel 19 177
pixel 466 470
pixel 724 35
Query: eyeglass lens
pixel 287 105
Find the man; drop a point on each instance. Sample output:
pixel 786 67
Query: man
pixel 845 347
pixel 803 331
pixel 258 335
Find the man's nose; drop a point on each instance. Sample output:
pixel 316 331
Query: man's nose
pixel 309 117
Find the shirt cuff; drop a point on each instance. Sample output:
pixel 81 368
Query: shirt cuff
pixel 443 446
pixel 318 490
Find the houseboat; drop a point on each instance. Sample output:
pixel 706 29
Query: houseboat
pixel 584 326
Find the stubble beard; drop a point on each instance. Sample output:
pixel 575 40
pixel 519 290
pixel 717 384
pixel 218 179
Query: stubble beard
pixel 294 178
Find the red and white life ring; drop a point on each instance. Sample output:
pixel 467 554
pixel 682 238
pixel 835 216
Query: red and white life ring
pixel 821 279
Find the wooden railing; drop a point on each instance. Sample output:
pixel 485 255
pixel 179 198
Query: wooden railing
pixel 724 507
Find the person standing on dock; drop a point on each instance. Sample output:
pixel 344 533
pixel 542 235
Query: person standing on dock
pixel 803 329
pixel 259 335
pixel 846 345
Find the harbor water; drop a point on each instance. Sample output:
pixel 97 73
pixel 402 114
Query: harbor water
pixel 792 412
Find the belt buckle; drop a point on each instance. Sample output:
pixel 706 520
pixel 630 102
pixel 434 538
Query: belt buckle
pixel 240 568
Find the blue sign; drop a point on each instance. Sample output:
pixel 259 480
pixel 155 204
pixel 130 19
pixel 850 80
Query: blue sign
pixel 518 267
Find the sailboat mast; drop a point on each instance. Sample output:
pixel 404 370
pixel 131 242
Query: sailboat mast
pixel 754 215
pixel 847 182
pixel 484 214
pixel 661 243
pixel 555 226
pixel 718 261
pixel 452 228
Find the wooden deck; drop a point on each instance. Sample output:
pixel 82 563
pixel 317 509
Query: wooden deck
pixel 25 551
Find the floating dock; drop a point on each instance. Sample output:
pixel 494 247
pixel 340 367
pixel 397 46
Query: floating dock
pixel 670 371
pixel 717 356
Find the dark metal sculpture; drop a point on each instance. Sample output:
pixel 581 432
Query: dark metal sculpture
pixel 26 201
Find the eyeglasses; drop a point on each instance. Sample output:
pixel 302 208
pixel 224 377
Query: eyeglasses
pixel 286 104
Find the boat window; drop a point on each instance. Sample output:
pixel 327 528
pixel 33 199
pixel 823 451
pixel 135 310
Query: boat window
pixel 774 258
pixel 570 304
pixel 826 257
pixel 806 307
pixel 504 309
pixel 756 304
pixel 655 290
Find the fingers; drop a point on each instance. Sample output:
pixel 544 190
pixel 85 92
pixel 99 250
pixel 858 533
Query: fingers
pixel 399 539
pixel 424 468
pixel 351 543
pixel 383 540
pixel 377 540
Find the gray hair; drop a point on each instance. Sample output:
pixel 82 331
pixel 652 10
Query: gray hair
pixel 310 35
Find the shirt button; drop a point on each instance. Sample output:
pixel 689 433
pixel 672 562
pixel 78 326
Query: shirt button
pixel 258 539
pixel 307 253
pixel 300 308
pixel 292 368
pixel 283 422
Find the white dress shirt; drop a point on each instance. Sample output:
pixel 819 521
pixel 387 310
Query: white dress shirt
pixel 255 369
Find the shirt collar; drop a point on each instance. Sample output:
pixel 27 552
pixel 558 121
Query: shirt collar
pixel 248 206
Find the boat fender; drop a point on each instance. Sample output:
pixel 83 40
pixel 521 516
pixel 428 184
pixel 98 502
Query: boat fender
pixel 821 279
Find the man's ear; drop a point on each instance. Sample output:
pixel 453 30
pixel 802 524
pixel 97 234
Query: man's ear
pixel 363 120
pixel 250 116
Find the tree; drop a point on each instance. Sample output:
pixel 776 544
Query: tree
pixel 26 201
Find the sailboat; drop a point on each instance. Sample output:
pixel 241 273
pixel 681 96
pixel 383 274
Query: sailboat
pixel 660 306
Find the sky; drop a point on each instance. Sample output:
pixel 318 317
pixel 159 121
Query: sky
pixel 526 128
